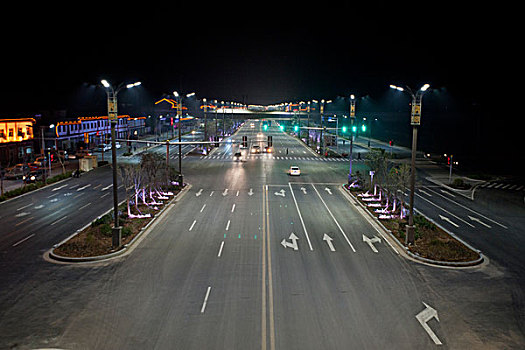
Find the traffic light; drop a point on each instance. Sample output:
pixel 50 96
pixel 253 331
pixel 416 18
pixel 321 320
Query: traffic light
pixel 245 141
pixel 281 127
pixel 391 142
pixel 363 127
pixel 296 128
pixel 265 127
pixel 270 141
pixel 344 128
pixel 216 139
pixel 354 128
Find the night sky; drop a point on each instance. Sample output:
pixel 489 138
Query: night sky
pixel 262 53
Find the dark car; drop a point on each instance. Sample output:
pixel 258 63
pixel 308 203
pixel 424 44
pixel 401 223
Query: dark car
pixel 237 156
pixel 32 177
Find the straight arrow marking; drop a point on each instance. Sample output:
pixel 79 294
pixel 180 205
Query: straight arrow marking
pixel 448 220
pixel 479 221
pixel 328 241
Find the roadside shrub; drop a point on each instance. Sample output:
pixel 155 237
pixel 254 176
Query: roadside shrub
pixel 106 219
pixel 105 229
pixel 126 231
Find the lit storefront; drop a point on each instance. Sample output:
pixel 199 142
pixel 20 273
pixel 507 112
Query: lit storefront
pixel 16 140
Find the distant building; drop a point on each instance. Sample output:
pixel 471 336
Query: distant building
pixel 89 132
pixel 16 140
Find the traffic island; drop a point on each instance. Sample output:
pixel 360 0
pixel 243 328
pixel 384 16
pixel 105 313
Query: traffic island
pixel 93 242
pixel 433 244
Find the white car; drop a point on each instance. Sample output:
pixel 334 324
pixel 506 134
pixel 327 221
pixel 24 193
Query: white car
pixel 294 170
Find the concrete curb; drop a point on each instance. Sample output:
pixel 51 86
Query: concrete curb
pixel 414 257
pixel 125 249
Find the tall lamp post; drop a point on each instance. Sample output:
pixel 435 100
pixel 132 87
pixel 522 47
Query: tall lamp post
pixel 112 116
pixel 415 121
pixel 352 118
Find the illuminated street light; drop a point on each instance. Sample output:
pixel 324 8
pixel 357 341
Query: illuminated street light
pixel 415 121
pixel 112 117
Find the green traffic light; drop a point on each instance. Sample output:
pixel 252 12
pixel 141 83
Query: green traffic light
pixel 354 128
pixel 344 128
pixel 296 128
pixel 265 127
pixel 363 127
pixel 281 127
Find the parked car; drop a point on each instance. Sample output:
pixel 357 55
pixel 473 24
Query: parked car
pixel 82 153
pixel 32 177
pixel 17 171
pixel 103 147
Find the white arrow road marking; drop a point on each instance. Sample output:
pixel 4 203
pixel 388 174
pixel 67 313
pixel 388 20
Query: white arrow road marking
pixel 54 200
pixel 426 315
pixel 293 245
pixel 303 189
pixel 333 218
pixel 198 193
pixel 448 220
pixel 280 193
pixel 328 241
pixel 250 193
pixel 479 221
pixel 83 187
pixel 447 192
pixel 425 192
pixel 106 188
pixel 371 241
pixel 225 192
pixel 328 190
pixel 300 217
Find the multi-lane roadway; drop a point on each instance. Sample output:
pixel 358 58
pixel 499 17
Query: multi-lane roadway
pixel 249 258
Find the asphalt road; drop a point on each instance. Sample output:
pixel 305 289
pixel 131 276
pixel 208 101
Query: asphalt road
pixel 249 258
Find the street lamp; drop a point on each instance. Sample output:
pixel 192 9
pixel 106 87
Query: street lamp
pixel 352 133
pixel 113 117
pixel 415 121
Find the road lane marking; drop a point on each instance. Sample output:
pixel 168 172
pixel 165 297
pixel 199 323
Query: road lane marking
pixel 23 240
pixel 25 220
pixel 301 217
pixel 104 195
pixel 62 218
pixel 82 207
pixel 25 206
pixel 83 187
pixel 220 249
pixel 204 206
pixel 205 300
pixel 332 215
pixel 233 208
pixel 228 225
pixel 211 194
pixel 56 189
pixel 191 227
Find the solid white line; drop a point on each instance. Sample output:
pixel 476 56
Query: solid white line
pixel 233 208
pixel 204 206
pixel 300 217
pixel 205 300
pixel 332 215
pixel 62 218
pixel 191 227
pixel 228 225
pixel 211 194
pixel 23 240
pixel 220 250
